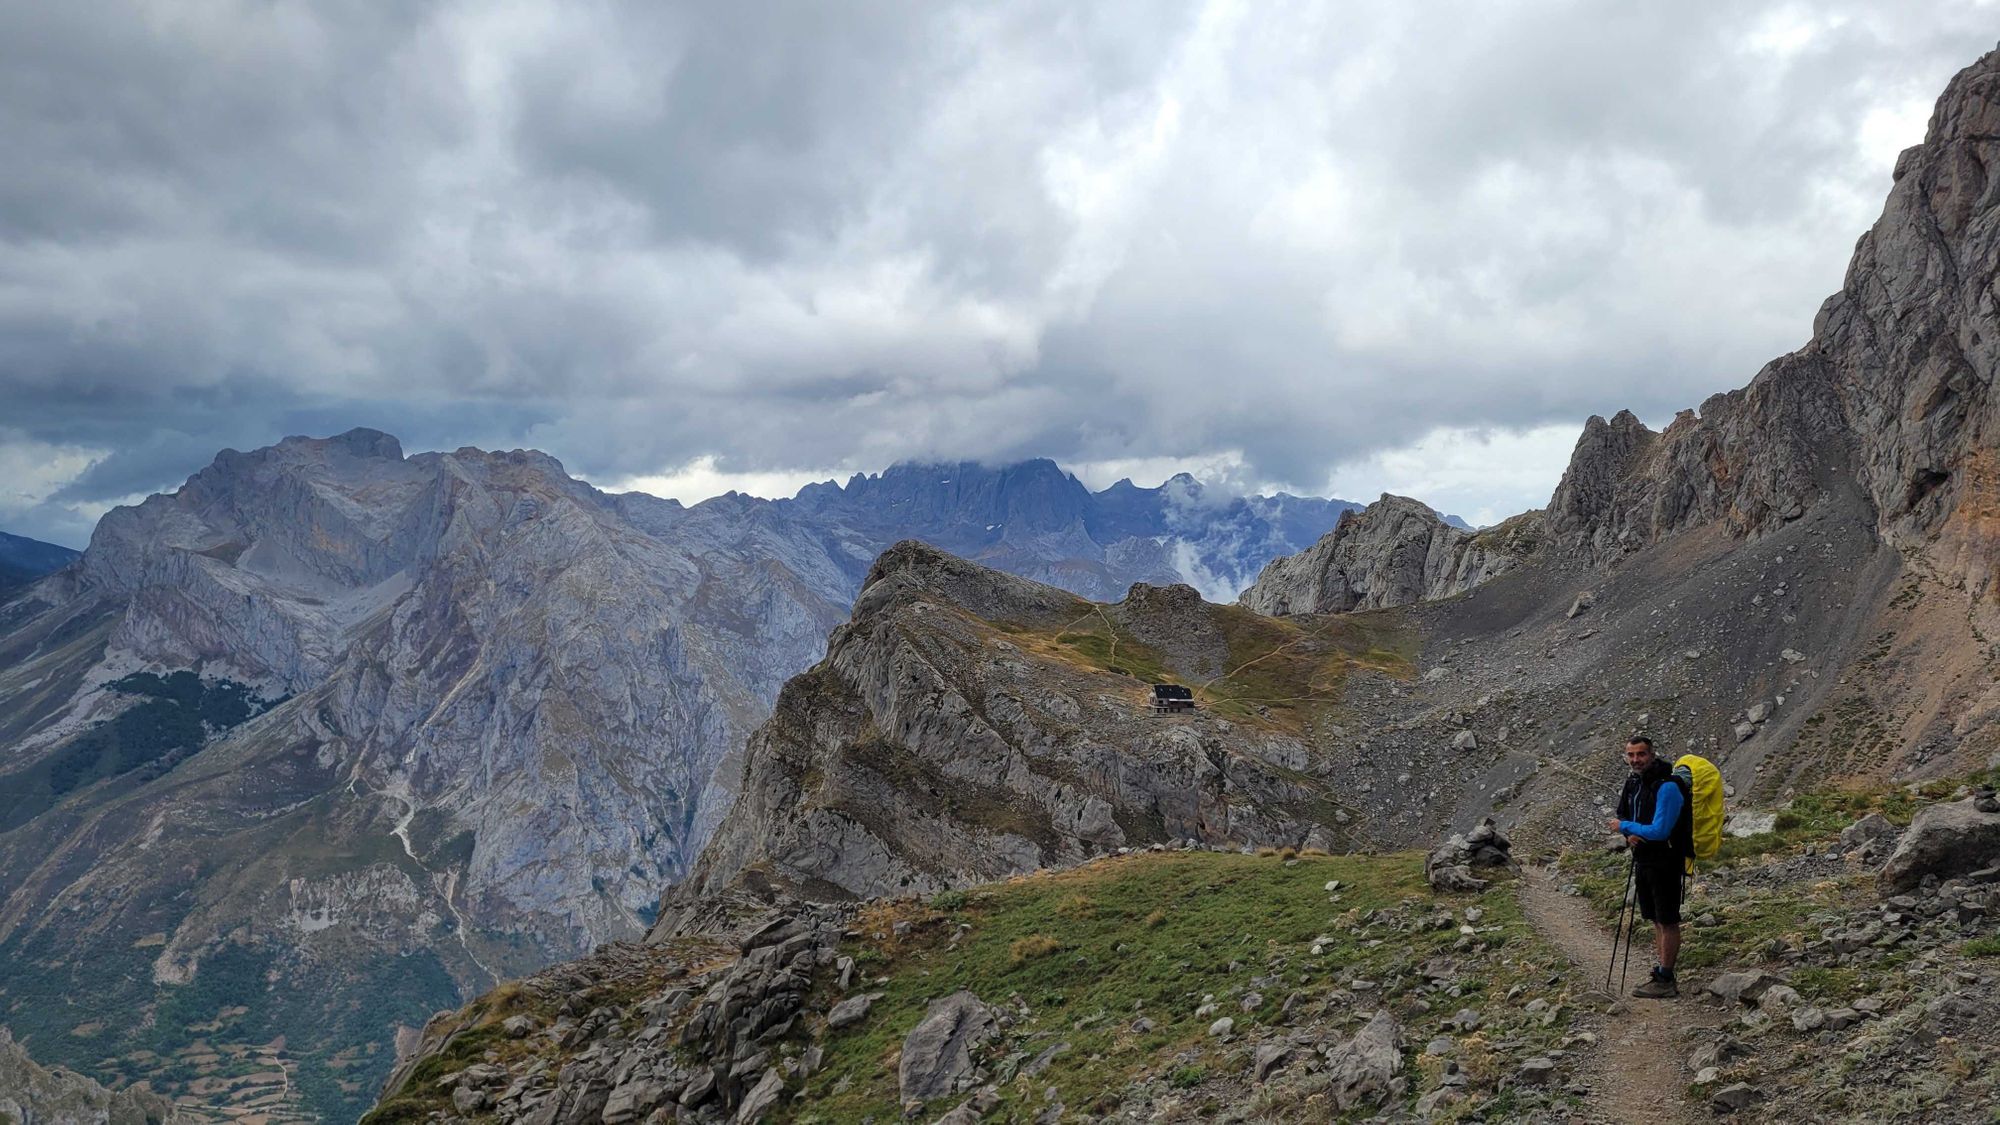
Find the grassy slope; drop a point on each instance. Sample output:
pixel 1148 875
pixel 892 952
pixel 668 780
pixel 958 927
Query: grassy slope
pixel 1280 669
pixel 1089 951
pixel 1144 936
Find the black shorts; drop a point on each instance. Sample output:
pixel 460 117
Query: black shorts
pixel 1658 888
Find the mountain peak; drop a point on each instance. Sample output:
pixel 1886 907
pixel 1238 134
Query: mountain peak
pixel 361 441
pixel 915 567
pixel 1393 552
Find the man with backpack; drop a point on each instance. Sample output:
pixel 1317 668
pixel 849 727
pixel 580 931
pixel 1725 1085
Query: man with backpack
pixel 1655 817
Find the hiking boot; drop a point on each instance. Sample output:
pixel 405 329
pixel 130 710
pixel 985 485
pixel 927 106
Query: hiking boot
pixel 1662 986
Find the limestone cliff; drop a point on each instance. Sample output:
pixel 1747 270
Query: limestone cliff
pixel 1892 395
pixel 1894 391
pixel 1394 552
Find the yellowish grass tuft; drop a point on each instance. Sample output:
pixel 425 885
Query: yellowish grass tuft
pixel 1024 950
pixel 1076 907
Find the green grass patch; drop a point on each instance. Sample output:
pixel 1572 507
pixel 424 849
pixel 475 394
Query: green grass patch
pixel 1090 951
pixel 1988 946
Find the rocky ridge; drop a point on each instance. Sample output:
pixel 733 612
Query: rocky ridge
pixel 1891 396
pixel 1034 520
pixel 967 725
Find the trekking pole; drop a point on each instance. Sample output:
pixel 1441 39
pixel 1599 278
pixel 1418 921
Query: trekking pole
pixel 1624 906
pixel 1627 970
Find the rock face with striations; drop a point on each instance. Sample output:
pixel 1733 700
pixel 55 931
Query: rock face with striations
pixel 491 707
pixel 1394 552
pixel 951 736
pixel 1892 397
pixel 1893 392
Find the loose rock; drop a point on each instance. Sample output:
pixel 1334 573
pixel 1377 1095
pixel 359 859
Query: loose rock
pixel 937 1053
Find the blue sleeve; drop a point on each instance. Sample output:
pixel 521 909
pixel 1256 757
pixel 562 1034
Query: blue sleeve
pixel 1666 811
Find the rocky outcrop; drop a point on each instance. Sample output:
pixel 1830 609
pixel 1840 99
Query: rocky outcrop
pixel 32 1095
pixel 949 738
pixel 697 1033
pixel 1362 1071
pixel 1394 552
pixel 1942 841
pixel 937 1056
pixel 1894 391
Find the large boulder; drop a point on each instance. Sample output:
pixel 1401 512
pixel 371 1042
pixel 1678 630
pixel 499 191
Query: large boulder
pixel 937 1054
pixel 1944 840
pixel 1362 1070
pixel 1868 831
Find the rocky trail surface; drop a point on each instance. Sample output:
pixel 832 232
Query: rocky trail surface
pixel 1634 1075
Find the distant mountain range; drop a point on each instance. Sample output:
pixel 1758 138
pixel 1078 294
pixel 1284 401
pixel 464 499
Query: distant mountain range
pixel 338 736
pixel 23 559
pixel 1035 520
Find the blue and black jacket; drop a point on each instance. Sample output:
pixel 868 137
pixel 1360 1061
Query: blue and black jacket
pixel 1655 808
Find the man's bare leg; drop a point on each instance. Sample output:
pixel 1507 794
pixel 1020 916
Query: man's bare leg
pixel 1666 945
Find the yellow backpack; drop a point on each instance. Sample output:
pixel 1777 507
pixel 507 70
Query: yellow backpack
pixel 1704 786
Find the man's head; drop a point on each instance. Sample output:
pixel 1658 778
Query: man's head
pixel 1639 753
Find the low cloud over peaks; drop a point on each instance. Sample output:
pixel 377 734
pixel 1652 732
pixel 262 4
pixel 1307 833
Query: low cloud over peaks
pixel 769 243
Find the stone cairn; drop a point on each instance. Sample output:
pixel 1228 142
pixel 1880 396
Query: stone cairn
pixel 1449 868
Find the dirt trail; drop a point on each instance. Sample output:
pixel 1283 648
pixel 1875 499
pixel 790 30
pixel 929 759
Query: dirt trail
pixel 1635 1074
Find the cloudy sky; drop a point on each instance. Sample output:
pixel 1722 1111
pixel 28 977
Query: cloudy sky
pixel 1333 247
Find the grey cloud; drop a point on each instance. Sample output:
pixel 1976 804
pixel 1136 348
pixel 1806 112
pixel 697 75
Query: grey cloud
pixel 805 235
